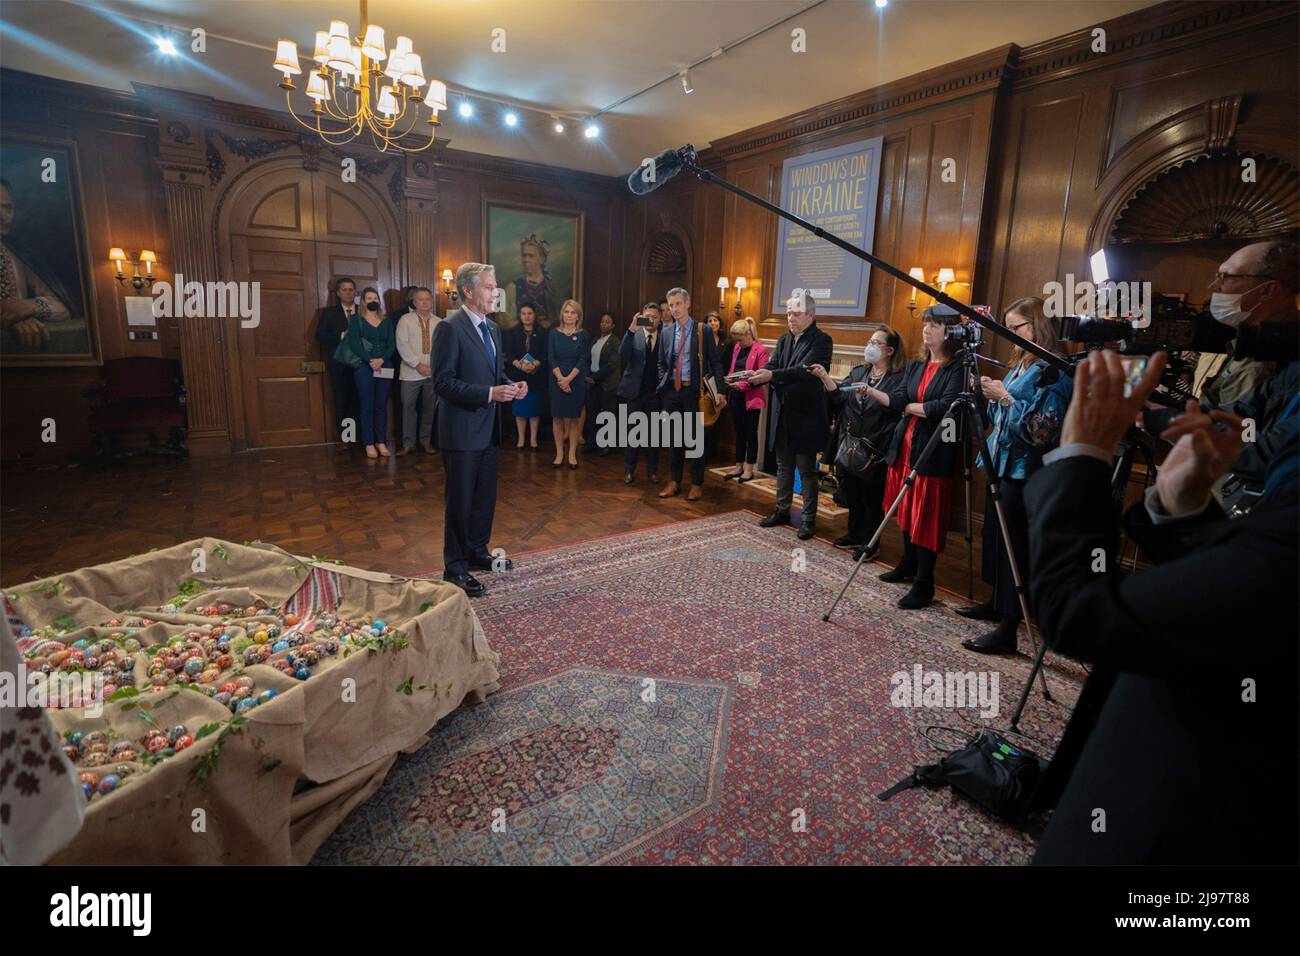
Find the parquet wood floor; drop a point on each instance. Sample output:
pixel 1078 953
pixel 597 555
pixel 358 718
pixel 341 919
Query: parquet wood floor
pixel 335 503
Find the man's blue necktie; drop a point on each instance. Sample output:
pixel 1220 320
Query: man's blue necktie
pixel 487 340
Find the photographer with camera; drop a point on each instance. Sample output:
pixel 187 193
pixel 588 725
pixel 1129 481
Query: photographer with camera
pixel 1192 759
pixel 1252 285
pixel 1025 416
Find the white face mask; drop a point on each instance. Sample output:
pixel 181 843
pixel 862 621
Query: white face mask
pixel 1226 307
pixel 872 353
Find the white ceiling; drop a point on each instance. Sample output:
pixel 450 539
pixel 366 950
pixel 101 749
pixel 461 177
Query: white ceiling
pixel 574 57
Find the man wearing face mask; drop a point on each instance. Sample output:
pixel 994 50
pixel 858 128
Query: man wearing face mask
pixel 1261 293
pixel 1255 283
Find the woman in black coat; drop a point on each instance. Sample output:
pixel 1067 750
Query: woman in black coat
pixel 866 409
pixel 932 383
pixel 527 340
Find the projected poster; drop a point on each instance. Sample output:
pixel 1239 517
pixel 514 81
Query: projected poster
pixel 836 190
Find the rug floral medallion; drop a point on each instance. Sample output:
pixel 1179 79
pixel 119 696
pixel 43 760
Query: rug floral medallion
pixel 673 696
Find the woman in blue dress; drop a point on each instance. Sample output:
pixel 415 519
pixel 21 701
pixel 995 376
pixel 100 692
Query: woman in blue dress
pixel 1026 424
pixel 525 346
pixel 569 358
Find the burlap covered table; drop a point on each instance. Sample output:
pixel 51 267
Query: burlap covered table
pixel 297 764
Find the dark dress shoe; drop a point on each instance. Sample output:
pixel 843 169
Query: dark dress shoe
pixel 865 554
pixel 466 582
pixel 846 541
pixel 485 562
pixel 628 479
pixel 981 612
pixel 774 519
pixel 806 531
pixel 984 645
pixel 1000 640
pixel 921 595
pixel 742 479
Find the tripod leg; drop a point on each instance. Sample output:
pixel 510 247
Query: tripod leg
pixel 995 492
pixel 875 538
pixel 970 522
pixel 952 412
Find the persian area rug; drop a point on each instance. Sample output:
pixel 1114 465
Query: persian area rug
pixel 672 696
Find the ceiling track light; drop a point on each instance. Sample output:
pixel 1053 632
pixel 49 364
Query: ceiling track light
pixel 686 82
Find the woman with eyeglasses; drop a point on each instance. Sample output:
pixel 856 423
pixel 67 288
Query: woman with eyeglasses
pixel 868 406
pixel 932 382
pixel 1025 417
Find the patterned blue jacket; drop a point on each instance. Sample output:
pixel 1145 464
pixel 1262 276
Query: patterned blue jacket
pixel 1031 427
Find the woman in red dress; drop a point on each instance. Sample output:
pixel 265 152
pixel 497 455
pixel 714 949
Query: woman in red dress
pixel 931 384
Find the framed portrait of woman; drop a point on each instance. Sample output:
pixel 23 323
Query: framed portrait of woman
pixel 537 251
pixel 47 309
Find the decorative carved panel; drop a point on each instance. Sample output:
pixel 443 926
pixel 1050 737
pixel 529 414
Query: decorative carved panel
pixel 1209 198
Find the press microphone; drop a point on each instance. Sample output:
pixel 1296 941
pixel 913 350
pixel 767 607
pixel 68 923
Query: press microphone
pixel 652 174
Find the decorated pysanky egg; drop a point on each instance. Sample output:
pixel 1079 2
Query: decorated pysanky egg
pixel 109 783
pixel 183 741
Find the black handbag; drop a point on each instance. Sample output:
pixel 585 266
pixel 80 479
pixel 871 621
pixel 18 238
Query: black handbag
pixel 857 456
pixel 989 770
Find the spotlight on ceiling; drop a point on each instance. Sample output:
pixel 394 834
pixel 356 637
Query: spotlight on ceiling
pixel 559 127
pixel 591 131
pixel 881 4
pixel 166 46
pixel 686 82
pixel 512 119
pixel 466 110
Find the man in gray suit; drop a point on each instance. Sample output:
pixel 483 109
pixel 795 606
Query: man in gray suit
pixel 469 377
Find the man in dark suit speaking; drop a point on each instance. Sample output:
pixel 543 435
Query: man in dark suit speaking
pixel 469 376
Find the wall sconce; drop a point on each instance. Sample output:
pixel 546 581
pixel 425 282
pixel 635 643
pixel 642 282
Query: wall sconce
pixel 148 259
pixel 916 272
pixel 447 279
pixel 942 279
pixel 723 285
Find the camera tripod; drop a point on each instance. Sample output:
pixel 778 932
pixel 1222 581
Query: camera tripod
pixel 965 409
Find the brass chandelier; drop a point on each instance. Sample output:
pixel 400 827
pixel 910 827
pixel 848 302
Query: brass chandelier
pixel 354 94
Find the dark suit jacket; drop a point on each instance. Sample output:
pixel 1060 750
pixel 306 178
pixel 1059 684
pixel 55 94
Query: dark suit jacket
pixel 632 361
pixel 607 376
pixel 712 361
pixel 1184 768
pixel 797 394
pixel 943 388
pixel 462 377
pixel 329 330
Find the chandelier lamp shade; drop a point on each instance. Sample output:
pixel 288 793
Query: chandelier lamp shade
pixel 358 88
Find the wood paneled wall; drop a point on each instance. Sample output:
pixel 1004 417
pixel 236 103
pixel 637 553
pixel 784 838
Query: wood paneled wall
pixel 122 195
pixel 1049 142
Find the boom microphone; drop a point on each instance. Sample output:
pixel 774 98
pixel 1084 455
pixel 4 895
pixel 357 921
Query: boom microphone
pixel 653 173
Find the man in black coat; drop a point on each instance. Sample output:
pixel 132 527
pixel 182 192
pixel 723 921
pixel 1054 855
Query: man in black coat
pixel 331 328
pixel 1192 759
pixel 470 379
pixel 681 346
pixel 639 383
pixel 800 420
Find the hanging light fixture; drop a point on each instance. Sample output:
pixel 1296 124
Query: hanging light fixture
pixel 355 94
